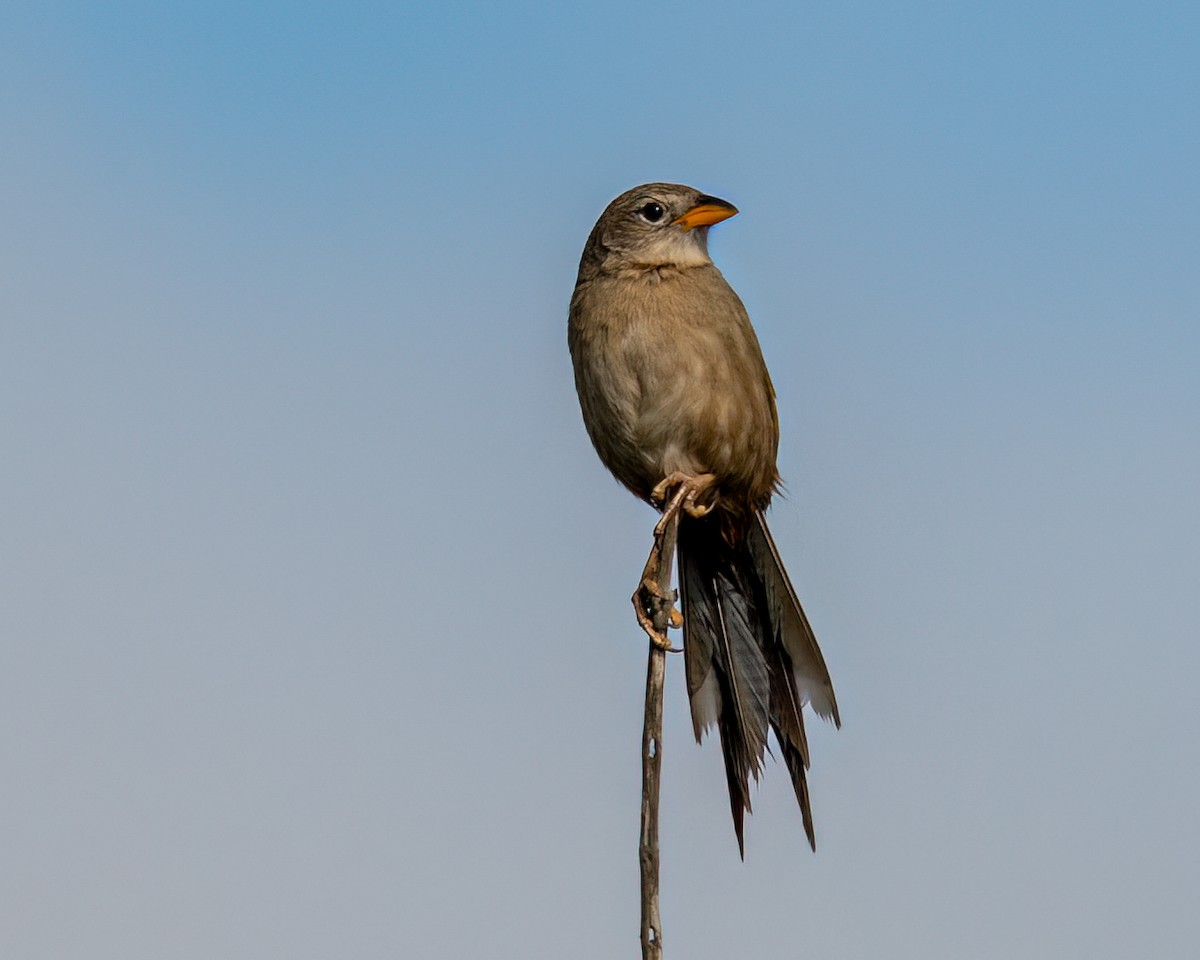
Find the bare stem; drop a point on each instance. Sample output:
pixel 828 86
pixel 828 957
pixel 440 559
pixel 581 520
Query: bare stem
pixel 664 546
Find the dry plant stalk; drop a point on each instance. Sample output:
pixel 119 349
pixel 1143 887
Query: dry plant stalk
pixel 662 557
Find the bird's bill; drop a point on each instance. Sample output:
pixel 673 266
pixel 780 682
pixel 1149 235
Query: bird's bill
pixel 708 211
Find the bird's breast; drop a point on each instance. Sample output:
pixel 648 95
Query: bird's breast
pixel 671 378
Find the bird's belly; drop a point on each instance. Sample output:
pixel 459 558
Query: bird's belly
pixel 702 428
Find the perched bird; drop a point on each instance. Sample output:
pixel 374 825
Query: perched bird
pixel 676 397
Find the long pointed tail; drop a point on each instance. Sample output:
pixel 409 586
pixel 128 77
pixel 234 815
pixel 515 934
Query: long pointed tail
pixel 751 658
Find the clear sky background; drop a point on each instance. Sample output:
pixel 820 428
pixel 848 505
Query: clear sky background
pixel 314 628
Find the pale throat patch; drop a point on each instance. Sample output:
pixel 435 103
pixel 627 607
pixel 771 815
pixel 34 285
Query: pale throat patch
pixel 685 248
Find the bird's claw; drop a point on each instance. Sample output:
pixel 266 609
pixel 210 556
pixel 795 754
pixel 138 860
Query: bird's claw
pixel 648 596
pixel 653 603
pixel 659 493
pixel 688 489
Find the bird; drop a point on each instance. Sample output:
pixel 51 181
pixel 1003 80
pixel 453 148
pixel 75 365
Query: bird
pixel 677 401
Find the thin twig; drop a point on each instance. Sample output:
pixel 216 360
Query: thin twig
pixel 652 743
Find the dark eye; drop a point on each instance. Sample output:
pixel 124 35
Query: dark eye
pixel 652 212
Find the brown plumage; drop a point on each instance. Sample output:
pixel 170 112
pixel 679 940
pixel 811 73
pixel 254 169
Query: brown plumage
pixel 671 379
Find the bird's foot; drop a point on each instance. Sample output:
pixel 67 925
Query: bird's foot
pixel 648 601
pixel 654 600
pixel 688 490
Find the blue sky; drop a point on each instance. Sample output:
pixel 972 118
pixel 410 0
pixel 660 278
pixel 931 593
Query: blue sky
pixel 315 636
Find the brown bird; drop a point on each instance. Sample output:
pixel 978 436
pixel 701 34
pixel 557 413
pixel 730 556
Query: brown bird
pixel 679 406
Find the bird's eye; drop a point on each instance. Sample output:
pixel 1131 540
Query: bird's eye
pixel 652 212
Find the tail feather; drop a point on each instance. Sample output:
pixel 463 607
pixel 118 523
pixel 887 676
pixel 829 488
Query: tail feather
pixel 792 626
pixel 788 723
pixel 750 656
pixel 797 765
pixel 722 619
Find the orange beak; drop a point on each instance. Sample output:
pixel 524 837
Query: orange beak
pixel 708 211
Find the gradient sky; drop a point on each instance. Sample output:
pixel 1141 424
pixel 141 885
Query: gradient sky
pixel 314 633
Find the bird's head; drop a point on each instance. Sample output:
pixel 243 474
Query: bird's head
pixel 656 225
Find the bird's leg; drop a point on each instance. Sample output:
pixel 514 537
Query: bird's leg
pixel 653 600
